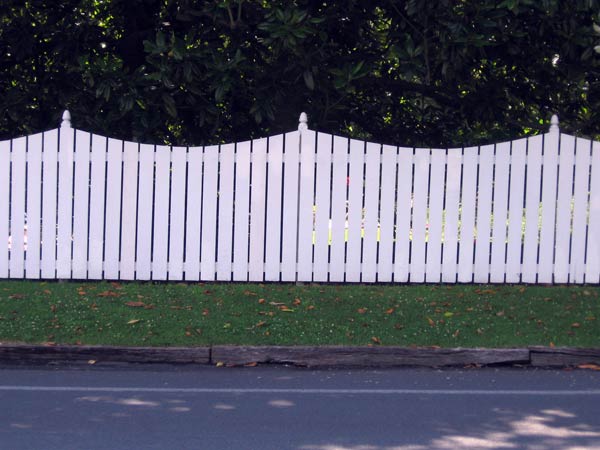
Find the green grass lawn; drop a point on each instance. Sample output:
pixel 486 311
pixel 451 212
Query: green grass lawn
pixel 181 314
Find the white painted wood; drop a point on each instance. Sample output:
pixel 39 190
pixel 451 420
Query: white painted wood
pixel 113 209
pixel 338 209
pixel 306 215
pixel 563 208
pixel 515 214
pixel 160 237
pixel 592 267
pixel 144 216
pixel 467 215
pixel 403 214
pixel 4 206
pixel 436 206
pixel 452 201
pixel 17 208
pixel 273 221
pixel 548 225
pixel 419 215
pixel 81 204
pixel 50 158
pixel 209 214
pixel 289 227
pixel 322 205
pixel 580 204
pixel 97 189
pixel 257 211
pixel 242 212
pixel 34 205
pixel 225 228
pixel 65 203
pixel 194 204
pixel 500 213
pixel 177 225
pixel 355 210
pixel 385 263
pixel 484 212
pixel 532 208
pixel 371 212
pixel 129 210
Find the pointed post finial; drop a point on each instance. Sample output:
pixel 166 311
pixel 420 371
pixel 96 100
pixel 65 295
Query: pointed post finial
pixel 66 119
pixel 303 125
pixel 554 124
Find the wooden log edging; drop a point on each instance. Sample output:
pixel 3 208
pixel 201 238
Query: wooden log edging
pixel 303 356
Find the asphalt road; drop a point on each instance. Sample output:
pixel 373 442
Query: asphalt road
pixel 286 408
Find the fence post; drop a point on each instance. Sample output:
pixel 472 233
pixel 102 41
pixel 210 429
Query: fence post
pixel 302 126
pixel 65 194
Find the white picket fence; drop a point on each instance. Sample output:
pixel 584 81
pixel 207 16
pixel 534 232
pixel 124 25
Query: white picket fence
pixel 301 206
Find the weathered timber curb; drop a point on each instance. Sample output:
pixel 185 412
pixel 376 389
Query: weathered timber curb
pixel 306 356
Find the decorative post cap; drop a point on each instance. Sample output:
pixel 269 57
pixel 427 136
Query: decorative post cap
pixel 66 119
pixel 303 125
pixel 554 124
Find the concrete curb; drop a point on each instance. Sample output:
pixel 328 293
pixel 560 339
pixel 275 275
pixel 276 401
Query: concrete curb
pixel 304 356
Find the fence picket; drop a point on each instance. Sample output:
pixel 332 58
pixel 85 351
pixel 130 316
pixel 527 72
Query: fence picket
pixel 177 226
pixel 592 266
pixel 80 201
pixel 515 214
pixel 208 246
pixel 306 206
pixel 355 210
pixel 436 206
pixel 113 209
pixel 582 167
pixel 419 215
pixel 273 221
pixel 532 208
pixel 256 266
pixel 224 238
pixel 467 215
pixel 403 215
pixel 194 203
pixel 338 209
pixel 242 210
pixel 65 203
pixel 289 215
pixel 144 217
pixel 548 225
pixel 453 173
pixel 49 169
pixel 500 206
pixel 34 203
pixel 371 212
pixel 322 205
pixel 563 208
pixel 4 206
pixel 129 211
pixel 160 238
pixel 17 208
pixel 96 207
pixel 385 263
pixel 484 212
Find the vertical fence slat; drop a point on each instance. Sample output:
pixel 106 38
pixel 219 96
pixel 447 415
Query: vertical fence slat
pixel 49 169
pixel 338 208
pixel 449 266
pixel 355 210
pixel 419 215
pixel 403 214
pixel 467 215
pixel 4 206
pixel 484 211
pixel 160 238
pixel 436 206
pixel 113 209
pixel 144 220
pixel 227 160
pixel 515 214
pixel 592 267
pixel 532 209
pixel 209 214
pixel 177 231
pixel 563 208
pixel 242 209
pixel 385 266
pixel 273 224
pixel 192 222
pixel 256 256
pixel 306 206
pixel 129 211
pixel 34 203
pixel 17 208
pixel 322 204
pixel 371 212
pixel 548 226
pixel 80 212
pixel 580 203
pixel 65 203
pixel 97 184
pixel 289 227
pixel 498 267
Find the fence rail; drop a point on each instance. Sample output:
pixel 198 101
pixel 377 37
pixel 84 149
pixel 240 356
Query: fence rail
pixel 300 206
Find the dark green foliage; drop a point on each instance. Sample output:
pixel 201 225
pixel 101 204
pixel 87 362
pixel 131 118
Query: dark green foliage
pixel 403 72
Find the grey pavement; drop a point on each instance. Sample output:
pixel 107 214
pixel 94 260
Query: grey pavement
pixel 186 407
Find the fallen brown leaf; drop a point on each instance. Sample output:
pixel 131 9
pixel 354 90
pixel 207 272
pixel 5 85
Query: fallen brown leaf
pixel 589 366
pixel 389 311
pixel 135 304
pixel 133 321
